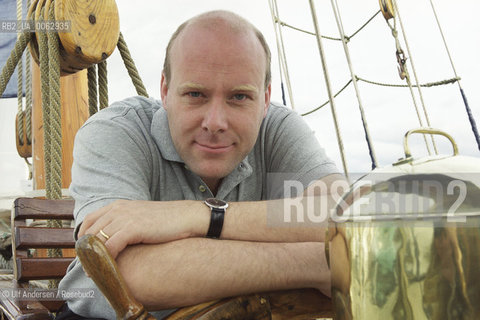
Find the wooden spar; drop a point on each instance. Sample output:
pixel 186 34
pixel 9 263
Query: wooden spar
pixel 74 95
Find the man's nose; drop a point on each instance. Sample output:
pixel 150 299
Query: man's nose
pixel 215 119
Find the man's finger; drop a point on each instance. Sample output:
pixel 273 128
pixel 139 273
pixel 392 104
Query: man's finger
pixel 91 218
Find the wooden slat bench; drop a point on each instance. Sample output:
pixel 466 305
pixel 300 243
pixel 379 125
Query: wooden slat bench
pixel 38 266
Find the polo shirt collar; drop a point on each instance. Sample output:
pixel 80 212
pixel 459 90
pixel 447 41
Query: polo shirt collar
pixel 160 132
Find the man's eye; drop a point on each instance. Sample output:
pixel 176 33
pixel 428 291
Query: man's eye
pixel 239 96
pixel 194 94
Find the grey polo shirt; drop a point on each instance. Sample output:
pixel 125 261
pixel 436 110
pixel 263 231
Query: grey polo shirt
pixel 126 152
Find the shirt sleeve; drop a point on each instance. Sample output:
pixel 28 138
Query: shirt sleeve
pixel 111 162
pixel 293 153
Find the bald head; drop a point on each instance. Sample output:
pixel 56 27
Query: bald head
pixel 215 20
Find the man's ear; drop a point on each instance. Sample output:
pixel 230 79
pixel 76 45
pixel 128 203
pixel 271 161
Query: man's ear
pixel 163 90
pixel 268 93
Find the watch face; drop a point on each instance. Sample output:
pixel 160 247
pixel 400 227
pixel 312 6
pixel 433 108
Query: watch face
pixel 216 203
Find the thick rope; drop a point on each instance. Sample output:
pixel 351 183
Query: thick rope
pixel 103 84
pixel 371 150
pixel 92 90
pixel 465 102
pixel 275 13
pixel 329 89
pixel 426 85
pixel 56 129
pixel 44 76
pixel 55 111
pixel 425 112
pixel 131 68
pixel 13 59
pixel 20 113
pixel 328 101
pixel 28 93
pixel 47 130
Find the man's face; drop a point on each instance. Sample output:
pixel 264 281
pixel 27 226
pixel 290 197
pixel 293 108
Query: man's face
pixel 216 99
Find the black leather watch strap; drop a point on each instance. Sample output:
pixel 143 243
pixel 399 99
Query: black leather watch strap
pixel 216 223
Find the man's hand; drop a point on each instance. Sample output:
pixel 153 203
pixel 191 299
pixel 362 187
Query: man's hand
pixel 129 222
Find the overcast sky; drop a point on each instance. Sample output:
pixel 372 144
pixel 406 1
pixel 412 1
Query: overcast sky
pixel 147 25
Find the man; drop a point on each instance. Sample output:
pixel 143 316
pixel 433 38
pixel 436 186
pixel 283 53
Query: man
pixel 142 171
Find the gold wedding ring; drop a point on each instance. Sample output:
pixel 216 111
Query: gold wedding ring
pixel 106 236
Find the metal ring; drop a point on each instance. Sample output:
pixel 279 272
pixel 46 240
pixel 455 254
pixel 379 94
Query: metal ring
pixel 106 236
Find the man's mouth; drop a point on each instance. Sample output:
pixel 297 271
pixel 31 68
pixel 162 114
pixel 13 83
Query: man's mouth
pixel 214 148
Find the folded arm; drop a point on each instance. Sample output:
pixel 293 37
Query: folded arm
pixel 191 271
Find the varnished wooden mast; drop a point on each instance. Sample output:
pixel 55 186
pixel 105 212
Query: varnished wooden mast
pixel 74 94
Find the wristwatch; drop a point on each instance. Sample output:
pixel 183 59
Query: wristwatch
pixel 218 208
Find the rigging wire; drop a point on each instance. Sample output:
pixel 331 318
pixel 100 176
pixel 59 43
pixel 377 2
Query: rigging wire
pixel 425 85
pixel 403 70
pixel 328 101
pixel 467 107
pixel 280 61
pixel 329 89
pixel 425 112
pixel 338 19
pixel 275 14
pixel 329 37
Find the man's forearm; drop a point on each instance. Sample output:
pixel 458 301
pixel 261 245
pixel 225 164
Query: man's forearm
pixel 196 270
pixel 151 222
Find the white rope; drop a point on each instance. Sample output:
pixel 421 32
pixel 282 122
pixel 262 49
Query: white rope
pixel 329 89
pixel 6 277
pixel 38 284
pixel 284 56
pixel 338 19
pixel 397 10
